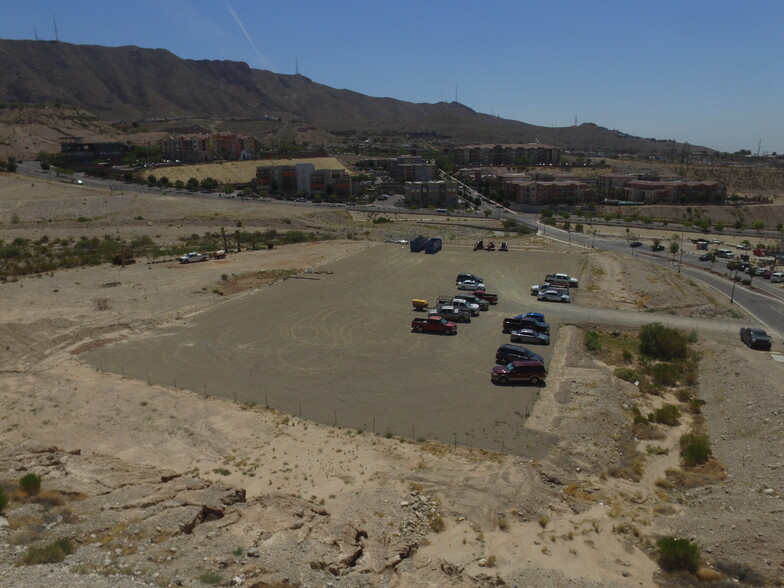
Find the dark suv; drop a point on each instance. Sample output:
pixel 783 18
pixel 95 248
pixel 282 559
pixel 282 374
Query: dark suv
pixel 508 352
pixel 531 372
pixel 755 338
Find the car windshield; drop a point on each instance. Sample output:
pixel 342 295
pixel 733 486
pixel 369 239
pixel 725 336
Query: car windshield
pixel 758 333
pixel 444 321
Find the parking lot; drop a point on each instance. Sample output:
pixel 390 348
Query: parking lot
pixel 336 347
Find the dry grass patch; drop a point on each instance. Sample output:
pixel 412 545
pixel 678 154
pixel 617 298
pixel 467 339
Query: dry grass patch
pixel 711 472
pixel 236 283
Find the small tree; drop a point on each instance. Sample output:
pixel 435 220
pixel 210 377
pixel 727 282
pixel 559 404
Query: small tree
pixel 30 484
pixel 695 449
pixel 674 248
pixel 678 554
pixel 3 498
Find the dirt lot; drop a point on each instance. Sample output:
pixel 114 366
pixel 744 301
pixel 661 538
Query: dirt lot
pixel 153 496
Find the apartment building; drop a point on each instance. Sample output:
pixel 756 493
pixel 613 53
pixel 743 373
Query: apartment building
pixel 303 179
pixel 437 193
pixel 513 154
pixel 532 192
pixel 201 148
pixel 674 192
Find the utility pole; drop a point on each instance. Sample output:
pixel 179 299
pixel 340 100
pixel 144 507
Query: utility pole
pixel 680 259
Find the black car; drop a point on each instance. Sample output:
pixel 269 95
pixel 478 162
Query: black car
pixel 507 353
pixel 635 244
pixel 704 257
pixel 657 247
pixel 755 338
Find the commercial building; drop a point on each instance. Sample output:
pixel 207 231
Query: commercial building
pixel 75 151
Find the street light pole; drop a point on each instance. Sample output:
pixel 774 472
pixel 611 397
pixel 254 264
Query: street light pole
pixel 732 294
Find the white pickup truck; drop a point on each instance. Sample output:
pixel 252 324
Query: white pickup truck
pixel 193 257
pixel 452 313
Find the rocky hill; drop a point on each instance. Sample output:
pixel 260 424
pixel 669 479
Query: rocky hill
pixel 132 84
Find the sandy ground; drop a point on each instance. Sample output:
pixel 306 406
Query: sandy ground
pixel 492 518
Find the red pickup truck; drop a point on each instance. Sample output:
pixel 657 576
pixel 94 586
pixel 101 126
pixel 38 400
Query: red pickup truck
pixel 434 324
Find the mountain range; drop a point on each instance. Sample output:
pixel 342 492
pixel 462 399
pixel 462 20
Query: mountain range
pixel 135 84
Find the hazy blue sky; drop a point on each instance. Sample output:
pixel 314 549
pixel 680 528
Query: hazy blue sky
pixel 706 72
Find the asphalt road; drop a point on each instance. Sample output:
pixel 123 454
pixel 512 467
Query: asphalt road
pixel 764 301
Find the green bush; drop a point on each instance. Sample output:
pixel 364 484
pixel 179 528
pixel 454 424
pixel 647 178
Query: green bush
pixel 695 449
pixel 665 374
pixel 592 341
pixel 667 415
pixel 628 374
pixel 3 498
pixel 30 484
pixel 660 342
pixel 52 553
pixel 678 555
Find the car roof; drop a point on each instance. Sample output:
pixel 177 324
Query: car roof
pixel 526 362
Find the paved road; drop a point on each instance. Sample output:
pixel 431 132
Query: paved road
pixel 764 301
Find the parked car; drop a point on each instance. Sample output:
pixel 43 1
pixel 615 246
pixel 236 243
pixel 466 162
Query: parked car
pixel 553 296
pixel 534 315
pixel 532 372
pixel 529 336
pixel 755 338
pixel 193 257
pixel 704 257
pixel 471 277
pixel 635 244
pixel 470 285
pixel 510 352
pixel 434 324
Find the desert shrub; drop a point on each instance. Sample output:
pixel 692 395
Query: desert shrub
pixel 51 553
pixel 592 342
pixel 639 418
pixel 665 374
pixel 695 405
pixel 30 484
pixel 628 356
pixel 660 342
pixel 678 554
pixel 667 415
pixel 210 578
pixel 3 498
pixel 628 374
pixel 647 387
pixel 695 449
pixel 740 572
pixel 436 522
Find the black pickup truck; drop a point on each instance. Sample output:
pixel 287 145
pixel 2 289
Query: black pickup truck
pixel 525 322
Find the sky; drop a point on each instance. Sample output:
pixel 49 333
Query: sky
pixel 704 72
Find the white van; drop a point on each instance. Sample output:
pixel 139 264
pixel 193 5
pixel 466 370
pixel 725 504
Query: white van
pixel 777 278
pixel 725 253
